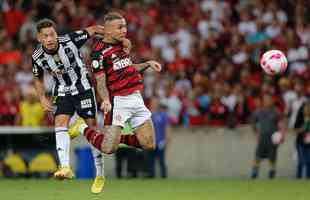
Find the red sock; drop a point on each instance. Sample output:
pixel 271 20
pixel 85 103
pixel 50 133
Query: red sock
pixel 94 137
pixel 130 140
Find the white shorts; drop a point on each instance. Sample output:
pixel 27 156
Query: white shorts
pixel 129 108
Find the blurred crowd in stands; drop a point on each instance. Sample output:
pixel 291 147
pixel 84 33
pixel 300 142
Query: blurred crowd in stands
pixel 210 51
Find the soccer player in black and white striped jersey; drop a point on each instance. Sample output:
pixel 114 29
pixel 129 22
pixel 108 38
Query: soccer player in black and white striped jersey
pixel 73 92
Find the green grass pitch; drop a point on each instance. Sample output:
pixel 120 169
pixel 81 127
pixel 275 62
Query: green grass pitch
pixel 156 190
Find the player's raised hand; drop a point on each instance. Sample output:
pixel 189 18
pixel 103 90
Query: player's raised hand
pixel 46 103
pixel 100 29
pixel 96 29
pixel 106 106
pixel 127 45
pixel 154 65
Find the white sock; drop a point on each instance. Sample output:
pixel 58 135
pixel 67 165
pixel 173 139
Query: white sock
pixel 98 161
pixel 82 128
pixel 63 146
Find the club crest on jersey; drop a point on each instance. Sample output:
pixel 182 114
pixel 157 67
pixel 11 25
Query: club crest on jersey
pixel 95 64
pixel 120 64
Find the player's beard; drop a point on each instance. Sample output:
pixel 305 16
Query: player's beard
pixel 116 40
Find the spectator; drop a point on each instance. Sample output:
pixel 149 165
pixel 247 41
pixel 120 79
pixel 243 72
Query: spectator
pixel 13 17
pixel 296 103
pixel 297 56
pixel 288 94
pixel 131 158
pixel 163 138
pixel 302 127
pixel 27 31
pixel 24 76
pixel 247 25
pixel 9 109
pixel 218 112
pixel 174 106
pixel 31 110
pixel 265 123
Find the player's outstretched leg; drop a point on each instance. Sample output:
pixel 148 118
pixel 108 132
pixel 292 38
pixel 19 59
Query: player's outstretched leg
pixel 106 141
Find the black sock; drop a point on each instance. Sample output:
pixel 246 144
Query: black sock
pixel 272 174
pixel 254 173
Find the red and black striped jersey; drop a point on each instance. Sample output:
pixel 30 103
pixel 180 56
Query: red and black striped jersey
pixel 121 77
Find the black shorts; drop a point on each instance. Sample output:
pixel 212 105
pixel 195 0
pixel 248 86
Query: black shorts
pixel 268 151
pixel 84 104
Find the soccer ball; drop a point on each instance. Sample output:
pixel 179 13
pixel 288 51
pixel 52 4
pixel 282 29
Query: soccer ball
pixel 273 62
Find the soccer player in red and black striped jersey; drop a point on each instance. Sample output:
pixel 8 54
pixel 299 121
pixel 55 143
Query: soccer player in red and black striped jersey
pixel 119 84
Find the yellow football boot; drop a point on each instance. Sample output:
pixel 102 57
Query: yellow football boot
pixel 64 173
pixel 98 185
pixel 74 128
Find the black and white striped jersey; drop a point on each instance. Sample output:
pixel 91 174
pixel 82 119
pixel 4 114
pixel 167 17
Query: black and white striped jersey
pixel 66 65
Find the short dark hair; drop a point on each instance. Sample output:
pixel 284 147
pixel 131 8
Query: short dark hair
pixel 44 23
pixel 110 16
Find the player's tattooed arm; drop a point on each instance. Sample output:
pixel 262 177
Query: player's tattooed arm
pixel 103 93
pixel 141 67
pixel 149 64
pixel 102 87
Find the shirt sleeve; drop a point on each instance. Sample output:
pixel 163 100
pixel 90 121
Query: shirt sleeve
pixel 37 70
pixel 79 38
pixel 97 63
